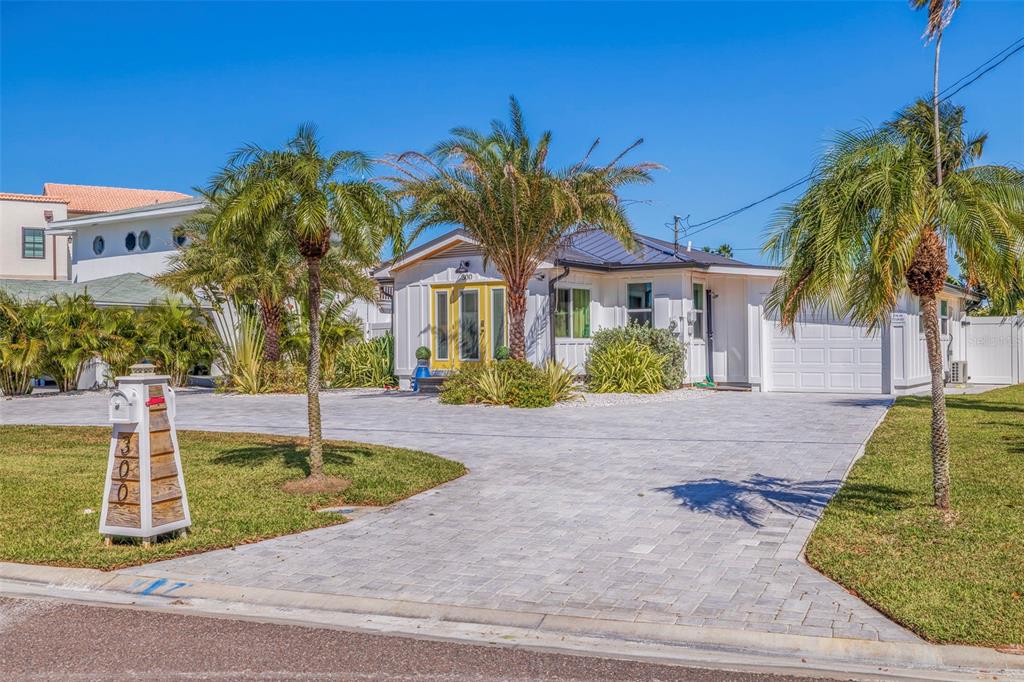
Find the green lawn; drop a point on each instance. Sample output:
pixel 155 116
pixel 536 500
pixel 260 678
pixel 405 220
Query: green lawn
pixel 50 475
pixel 959 581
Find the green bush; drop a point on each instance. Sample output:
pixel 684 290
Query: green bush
pixel 365 364
pixel 516 383
pixel 560 381
pixel 634 359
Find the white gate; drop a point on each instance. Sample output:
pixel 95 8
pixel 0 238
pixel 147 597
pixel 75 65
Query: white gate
pixel 995 350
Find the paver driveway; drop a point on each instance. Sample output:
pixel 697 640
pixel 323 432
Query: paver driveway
pixel 690 512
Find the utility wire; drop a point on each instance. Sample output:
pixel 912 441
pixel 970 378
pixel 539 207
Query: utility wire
pixel 945 94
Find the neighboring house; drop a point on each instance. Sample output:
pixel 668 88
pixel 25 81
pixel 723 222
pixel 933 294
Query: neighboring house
pixel 26 251
pixel 446 299
pixel 30 250
pixel 132 240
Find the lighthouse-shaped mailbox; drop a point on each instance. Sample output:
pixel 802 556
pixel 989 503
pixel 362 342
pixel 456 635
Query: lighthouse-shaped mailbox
pixel 144 493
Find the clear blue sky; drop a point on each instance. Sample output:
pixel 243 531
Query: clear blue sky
pixel 735 99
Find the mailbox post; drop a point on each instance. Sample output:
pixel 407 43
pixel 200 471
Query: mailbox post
pixel 144 494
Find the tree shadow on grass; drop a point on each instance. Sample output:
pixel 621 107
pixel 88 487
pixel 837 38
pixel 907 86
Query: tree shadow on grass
pixel 292 455
pixel 752 500
pixel 965 402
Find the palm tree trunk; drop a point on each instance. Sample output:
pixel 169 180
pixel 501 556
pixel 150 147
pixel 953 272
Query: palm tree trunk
pixel 316 453
pixel 940 427
pixel 517 321
pixel 270 314
pixel 935 110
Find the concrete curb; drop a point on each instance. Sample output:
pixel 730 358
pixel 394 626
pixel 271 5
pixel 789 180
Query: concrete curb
pixel 776 650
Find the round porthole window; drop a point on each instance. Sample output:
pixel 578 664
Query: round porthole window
pixel 129 241
pixel 98 245
pixel 179 239
pixel 144 240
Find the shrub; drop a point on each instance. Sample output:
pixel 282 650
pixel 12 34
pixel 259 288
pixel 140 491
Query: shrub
pixel 516 383
pixel 422 353
pixel 365 364
pixel 560 381
pixel 634 359
pixel 502 353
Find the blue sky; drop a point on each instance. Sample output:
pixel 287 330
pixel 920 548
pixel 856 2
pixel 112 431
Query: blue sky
pixel 734 99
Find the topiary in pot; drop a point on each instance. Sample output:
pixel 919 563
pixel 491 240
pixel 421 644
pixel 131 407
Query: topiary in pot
pixel 422 353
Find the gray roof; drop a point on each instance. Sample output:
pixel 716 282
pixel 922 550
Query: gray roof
pixel 129 289
pixel 599 250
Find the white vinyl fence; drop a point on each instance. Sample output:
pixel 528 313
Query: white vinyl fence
pixel 995 350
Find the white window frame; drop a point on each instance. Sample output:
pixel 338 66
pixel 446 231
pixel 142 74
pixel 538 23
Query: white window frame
pixel 640 310
pixel 699 312
pixel 590 310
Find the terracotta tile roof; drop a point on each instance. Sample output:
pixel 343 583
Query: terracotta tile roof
pixel 14 196
pixel 95 199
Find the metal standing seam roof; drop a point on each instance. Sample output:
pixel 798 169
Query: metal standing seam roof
pixel 603 251
pixel 129 289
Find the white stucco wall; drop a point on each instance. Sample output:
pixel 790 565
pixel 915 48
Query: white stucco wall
pixel 116 259
pixel 14 215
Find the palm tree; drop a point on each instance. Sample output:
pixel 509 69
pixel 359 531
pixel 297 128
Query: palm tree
pixel 322 203
pixel 177 338
pixel 876 222
pixel 74 336
pixel 256 266
pixel 499 187
pixel 940 13
pixel 23 336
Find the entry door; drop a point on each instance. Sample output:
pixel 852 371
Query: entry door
pixel 467 324
pixel 698 353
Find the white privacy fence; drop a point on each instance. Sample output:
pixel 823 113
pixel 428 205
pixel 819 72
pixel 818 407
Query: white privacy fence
pixel 995 350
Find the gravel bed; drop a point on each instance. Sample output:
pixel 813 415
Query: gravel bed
pixel 588 399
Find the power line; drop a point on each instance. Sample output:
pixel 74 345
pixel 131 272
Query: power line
pixel 976 73
pixel 942 93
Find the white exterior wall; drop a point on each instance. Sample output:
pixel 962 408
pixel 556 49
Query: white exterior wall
pixel 116 259
pixel 411 307
pixel 908 351
pixel 14 215
pixel 995 349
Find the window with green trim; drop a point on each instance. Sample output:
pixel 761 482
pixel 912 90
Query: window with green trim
pixel 572 313
pixel 33 242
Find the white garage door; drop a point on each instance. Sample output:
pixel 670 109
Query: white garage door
pixel 825 355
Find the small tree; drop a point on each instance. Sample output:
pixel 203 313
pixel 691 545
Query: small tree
pixel 321 202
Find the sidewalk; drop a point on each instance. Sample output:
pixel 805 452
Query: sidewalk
pixel 734 649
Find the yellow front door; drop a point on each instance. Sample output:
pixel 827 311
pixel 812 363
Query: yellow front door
pixel 467 324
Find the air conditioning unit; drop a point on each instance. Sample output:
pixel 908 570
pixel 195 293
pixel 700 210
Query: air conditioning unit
pixel 958 372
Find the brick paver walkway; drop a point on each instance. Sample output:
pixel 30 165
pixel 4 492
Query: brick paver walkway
pixel 690 512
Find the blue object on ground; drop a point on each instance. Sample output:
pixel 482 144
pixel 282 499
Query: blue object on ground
pixel 422 370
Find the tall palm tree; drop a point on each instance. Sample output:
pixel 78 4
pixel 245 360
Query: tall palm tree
pixel 940 13
pixel 322 202
pixel 875 222
pixel 500 188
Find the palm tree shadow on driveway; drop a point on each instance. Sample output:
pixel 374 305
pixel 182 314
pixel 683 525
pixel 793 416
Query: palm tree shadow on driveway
pixel 753 499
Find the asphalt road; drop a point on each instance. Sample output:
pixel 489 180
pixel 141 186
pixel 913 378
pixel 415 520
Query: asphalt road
pixel 45 639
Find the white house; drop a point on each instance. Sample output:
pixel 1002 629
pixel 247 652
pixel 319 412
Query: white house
pixel 446 299
pixel 133 240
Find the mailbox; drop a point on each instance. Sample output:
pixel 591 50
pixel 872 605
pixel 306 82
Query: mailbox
pixel 144 495
pixel 124 406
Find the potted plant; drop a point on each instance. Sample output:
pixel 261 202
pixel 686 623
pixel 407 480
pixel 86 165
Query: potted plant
pixel 422 366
